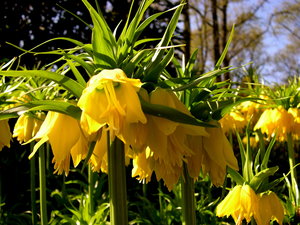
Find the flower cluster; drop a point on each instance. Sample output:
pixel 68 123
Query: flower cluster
pixel 111 108
pixel 243 203
pixel 279 121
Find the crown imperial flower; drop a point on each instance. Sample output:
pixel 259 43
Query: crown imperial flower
pixel 65 137
pixel 5 134
pixel 110 98
pixel 27 126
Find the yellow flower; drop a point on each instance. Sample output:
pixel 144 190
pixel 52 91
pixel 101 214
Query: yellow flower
pixel 212 155
pixel 241 203
pixel 144 164
pixel 163 140
pixel 270 208
pixel 168 138
pixel 27 126
pixel 254 140
pixel 252 110
pixel 275 121
pixel 110 98
pixel 233 121
pixel 5 134
pixel 99 157
pixel 295 112
pixel 65 137
pixel 142 168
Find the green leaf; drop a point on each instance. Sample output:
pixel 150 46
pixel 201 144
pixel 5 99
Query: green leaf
pixel 131 65
pixel 76 73
pixel 195 82
pixel 236 176
pixel 221 59
pixel 128 37
pixel 66 82
pixel 227 107
pixel 78 58
pixel 242 149
pixel 171 114
pixel 159 67
pixel 264 164
pixel 190 65
pixel 103 42
pixel 257 180
pixel 160 50
pixel 57 106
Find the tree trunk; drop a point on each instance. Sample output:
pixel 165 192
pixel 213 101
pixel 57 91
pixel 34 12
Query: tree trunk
pixel 216 35
pixel 187 31
pixel 224 37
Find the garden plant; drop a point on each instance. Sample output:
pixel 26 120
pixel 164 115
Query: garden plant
pixel 116 132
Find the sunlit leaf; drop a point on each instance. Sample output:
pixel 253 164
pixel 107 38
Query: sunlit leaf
pixel 69 84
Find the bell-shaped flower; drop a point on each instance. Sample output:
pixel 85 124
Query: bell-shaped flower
pixel 270 208
pixel 99 159
pixel 27 125
pixel 110 98
pixel 213 154
pixel 241 203
pixel 166 140
pixel 275 121
pixel 295 112
pixel 142 168
pixel 65 137
pixel 5 134
pixel 233 121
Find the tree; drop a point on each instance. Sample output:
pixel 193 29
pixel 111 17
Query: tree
pixel 286 26
pixel 28 23
pixel 214 24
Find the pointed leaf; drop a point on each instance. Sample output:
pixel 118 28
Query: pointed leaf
pixel 236 176
pixel 57 106
pixel 66 82
pixel 257 180
pixel 171 114
pixel 221 59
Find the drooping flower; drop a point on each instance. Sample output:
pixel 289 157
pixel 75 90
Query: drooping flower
pixel 142 168
pixel 295 112
pixel 65 137
pixel 251 110
pixel 27 126
pixel 99 157
pixel 270 208
pixel 166 141
pixel 5 134
pixel 275 121
pixel 241 203
pixel 233 121
pixel 169 138
pixel 110 98
pixel 213 154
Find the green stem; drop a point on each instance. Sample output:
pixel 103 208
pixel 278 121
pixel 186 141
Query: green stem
pixel 91 189
pixel 42 177
pixel 32 187
pixel 291 155
pixel 188 198
pixel 261 144
pixel 117 183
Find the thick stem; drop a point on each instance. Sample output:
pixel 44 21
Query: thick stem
pixel 91 189
pixel 117 183
pixel 32 188
pixel 42 177
pixel 188 198
pixel 291 154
